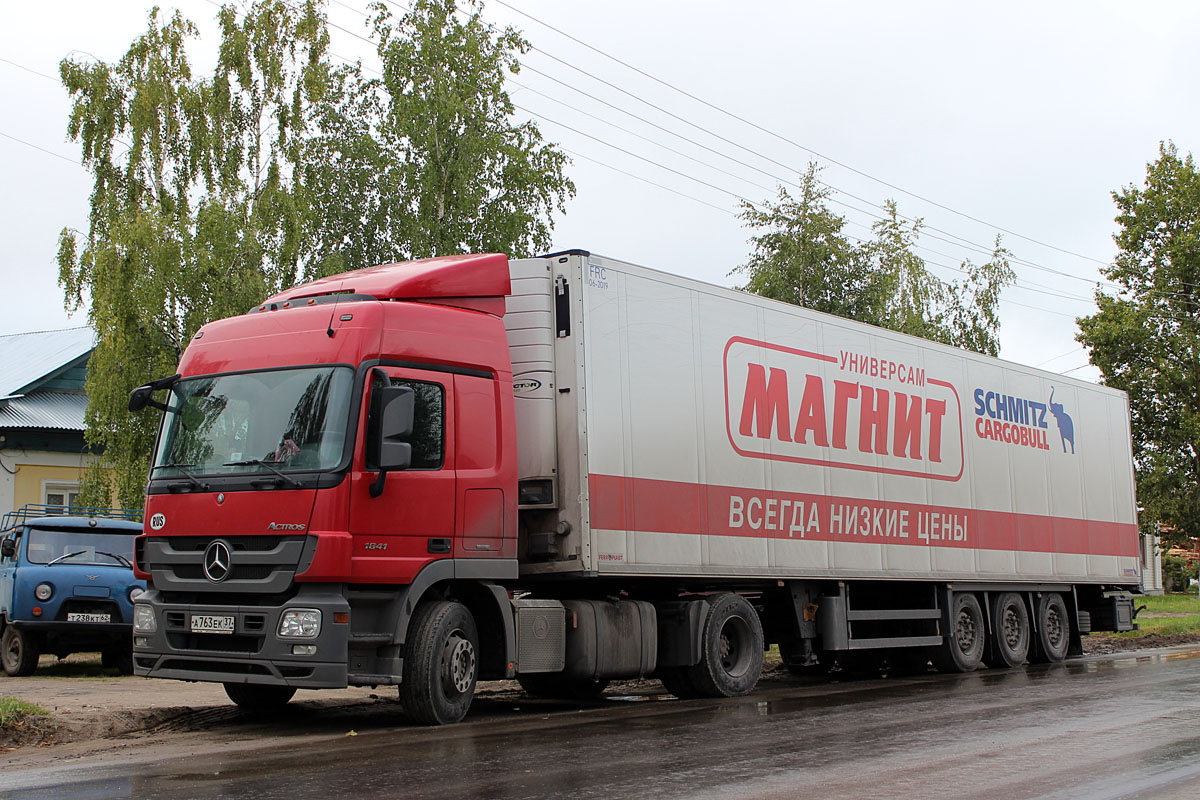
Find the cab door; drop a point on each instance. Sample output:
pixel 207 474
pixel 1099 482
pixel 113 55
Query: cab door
pixel 412 521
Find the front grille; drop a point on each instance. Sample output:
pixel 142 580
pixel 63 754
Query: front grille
pixel 216 643
pixel 257 564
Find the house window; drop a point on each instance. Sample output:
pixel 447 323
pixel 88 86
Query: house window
pixel 61 493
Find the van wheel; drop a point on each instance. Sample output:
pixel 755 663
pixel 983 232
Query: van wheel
pixel 1054 629
pixel 962 649
pixel 19 652
pixel 556 686
pixel 441 663
pixel 118 658
pixel 258 698
pixel 1008 645
pixel 731 649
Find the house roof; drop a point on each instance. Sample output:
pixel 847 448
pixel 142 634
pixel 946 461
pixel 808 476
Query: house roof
pixel 49 410
pixel 25 358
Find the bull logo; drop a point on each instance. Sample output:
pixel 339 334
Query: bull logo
pixel 1066 428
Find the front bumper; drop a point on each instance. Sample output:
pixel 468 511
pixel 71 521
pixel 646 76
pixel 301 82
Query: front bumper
pixel 253 653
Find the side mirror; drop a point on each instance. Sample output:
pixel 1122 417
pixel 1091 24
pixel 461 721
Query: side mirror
pixel 398 407
pixel 8 548
pixel 143 396
pixel 140 397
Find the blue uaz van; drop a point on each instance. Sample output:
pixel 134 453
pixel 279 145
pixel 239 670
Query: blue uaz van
pixel 67 585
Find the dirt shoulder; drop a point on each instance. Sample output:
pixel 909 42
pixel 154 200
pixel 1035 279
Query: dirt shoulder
pixel 91 715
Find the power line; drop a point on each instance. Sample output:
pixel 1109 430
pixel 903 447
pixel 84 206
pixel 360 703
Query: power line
pixel 806 149
pixel 44 150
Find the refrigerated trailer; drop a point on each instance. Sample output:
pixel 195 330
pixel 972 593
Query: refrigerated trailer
pixel 570 469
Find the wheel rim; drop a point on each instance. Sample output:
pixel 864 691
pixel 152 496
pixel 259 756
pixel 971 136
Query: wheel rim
pixel 1012 628
pixel 12 652
pixel 965 631
pixel 734 646
pixel 1054 627
pixel 458 664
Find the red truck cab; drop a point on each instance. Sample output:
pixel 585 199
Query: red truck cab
pixel 269 517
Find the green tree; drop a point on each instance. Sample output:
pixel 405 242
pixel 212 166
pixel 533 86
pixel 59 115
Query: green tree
pixel 801 256
pixel 211 193
pixel 1145 337
pixel 428 154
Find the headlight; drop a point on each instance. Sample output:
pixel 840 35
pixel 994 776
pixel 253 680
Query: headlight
pixel 43 591
pixel 135 592
pixel 300 623
pixel 144 620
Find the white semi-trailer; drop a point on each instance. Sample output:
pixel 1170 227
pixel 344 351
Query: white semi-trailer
pixel 570 469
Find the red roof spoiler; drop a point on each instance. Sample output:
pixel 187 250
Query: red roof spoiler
pixel 478 282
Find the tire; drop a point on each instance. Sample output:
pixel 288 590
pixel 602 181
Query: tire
pixel 19 652
pixel 118 658
pixel 962 648
pixel 259 698
pixel 556 686
pixel 1053 629
pixel 441 663
pixel 678 681
pixel 1008 645
pixel 731 649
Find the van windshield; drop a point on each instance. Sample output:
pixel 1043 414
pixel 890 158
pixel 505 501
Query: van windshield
pixel 59 546
pixel 269 421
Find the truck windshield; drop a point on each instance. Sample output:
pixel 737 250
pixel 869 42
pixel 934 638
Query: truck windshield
pixel 57 546
pixel 270 421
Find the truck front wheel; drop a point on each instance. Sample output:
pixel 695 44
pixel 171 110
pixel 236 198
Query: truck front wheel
pixel 441 663
pixel 731 649
pixel 19 652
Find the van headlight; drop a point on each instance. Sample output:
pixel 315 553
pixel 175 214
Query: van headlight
pixel 43 592
pixel 135 592
pixel 144 620
pixel 300 623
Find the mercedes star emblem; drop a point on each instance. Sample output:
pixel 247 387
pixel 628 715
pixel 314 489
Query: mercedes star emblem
pixel 216 561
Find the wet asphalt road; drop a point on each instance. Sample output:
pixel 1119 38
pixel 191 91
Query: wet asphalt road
pixel 1125 726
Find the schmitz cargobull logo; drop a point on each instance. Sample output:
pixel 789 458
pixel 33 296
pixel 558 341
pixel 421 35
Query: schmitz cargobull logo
pixel 845 409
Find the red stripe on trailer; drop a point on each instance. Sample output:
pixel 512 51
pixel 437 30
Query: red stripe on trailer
pixel 643 504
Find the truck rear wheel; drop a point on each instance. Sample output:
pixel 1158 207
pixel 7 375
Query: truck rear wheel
pixel 1008 645
pixel 441 663
pixel 259 698
pixel 962 649
pixel 19 652
pixel 556 686
pixel 731 649
pixel 1054 629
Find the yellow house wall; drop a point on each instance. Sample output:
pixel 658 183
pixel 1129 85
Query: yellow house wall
pixel 27 483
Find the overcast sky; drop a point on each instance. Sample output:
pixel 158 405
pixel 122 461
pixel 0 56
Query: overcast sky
pixel 1024 116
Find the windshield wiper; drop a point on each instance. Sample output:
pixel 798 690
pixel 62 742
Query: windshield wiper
pixel 124 561
pixel 201 486
pixel 255 462
pixel 64 557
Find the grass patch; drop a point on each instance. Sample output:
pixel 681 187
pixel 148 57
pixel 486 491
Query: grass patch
pixel 1175 603
pixel 23 723
pixel 14 711
pixel 1167 615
